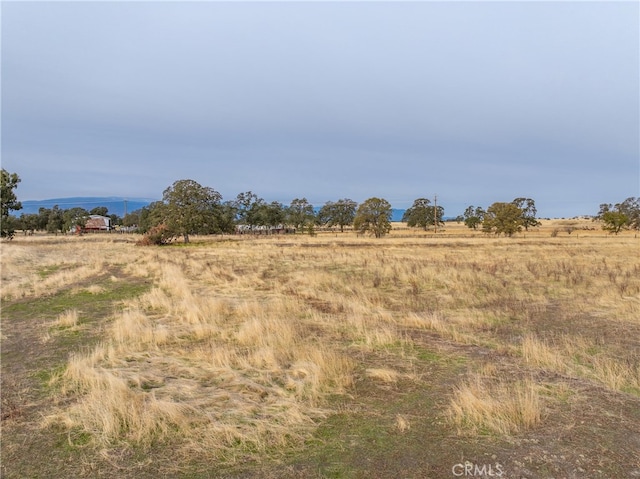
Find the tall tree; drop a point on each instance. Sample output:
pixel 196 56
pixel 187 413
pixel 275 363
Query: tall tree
pixel 620 216
pixel 131 219
pixel 614 221
pixel 243 204
pixel 274 214
pixel 256 214
pixel 473 216
pixel 341 213
pixel 253 210
pixel 529 211
pixel 55 219
pixel 226 216
pixel 422 214
pixel 502 218
pixel 631 208
pixel 8 202
pixel 43 218
pixel 29 222
pixel 300 214
pixel 99 210
pixel 150 216
pixel 373 217
pixel 74 217
pixel 190 208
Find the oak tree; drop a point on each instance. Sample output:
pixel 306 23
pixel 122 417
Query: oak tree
pixel 473 217
pixel 190 208
pixel 8 202
pixel 300 214
pixel 340 213
pixel 422 214
pixel 373 217
pixel 620 216
pixel 502 218
pixel 614 221
pixel 529 211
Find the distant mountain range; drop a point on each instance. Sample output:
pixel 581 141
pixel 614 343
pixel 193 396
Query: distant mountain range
pixel 114 204
pixel 396 215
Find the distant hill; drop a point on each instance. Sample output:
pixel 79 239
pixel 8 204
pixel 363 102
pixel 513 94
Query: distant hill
pixel 115 205
pixel 396 215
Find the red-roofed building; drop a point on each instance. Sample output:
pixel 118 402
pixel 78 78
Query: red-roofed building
pixel 98 223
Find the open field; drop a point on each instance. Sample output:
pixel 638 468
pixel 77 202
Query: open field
pixel 416 355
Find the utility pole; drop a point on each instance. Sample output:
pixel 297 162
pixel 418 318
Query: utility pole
pixel 435 214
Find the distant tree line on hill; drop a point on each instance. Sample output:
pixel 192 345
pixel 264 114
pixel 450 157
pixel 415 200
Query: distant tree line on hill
pixel 188 208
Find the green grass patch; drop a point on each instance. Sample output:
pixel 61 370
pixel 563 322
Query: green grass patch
pixel 427 355
pixel 344 443
pixel 94 304
pixel 430 356
pixel 334 442
pixel 45 376
pixel 631 390
pixel 68 441
pixel 49 270
pixel 561 392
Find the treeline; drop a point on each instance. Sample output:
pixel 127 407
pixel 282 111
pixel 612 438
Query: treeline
pixel 189 208
pixel 56 220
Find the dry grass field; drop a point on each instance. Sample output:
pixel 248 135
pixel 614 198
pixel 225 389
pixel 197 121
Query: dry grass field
pixel 415 355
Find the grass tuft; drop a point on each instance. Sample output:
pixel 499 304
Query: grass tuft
pixel 481 405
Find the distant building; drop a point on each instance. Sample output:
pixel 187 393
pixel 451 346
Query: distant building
pixel 264 230
pixel 98 223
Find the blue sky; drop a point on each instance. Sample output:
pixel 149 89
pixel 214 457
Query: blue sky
pixel 476 102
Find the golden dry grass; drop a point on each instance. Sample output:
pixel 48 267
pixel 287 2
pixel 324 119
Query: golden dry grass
pixel 67 319
pixel 481 404
pixel 402 423
pixel 574 355
pixel 239 342
pixel 386 375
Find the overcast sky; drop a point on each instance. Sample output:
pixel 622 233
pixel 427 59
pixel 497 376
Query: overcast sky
pixel 475 102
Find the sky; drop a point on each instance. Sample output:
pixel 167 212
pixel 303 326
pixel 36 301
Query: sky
pixel 475 102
